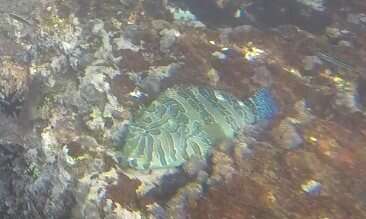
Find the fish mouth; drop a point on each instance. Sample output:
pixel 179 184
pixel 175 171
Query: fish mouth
pixel 137 164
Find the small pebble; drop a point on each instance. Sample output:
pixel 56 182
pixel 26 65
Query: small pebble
pixel 363 18
pixel 287 136
pixel 310 62
pixel 137 94
pixel 311 187
pixel 345 43
pixel 219 55
pixel 333 32
pixel 213 76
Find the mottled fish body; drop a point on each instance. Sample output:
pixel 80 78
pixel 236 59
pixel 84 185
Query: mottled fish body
pixel 186 122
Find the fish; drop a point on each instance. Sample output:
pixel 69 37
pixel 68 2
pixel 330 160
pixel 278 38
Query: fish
pixel 186 122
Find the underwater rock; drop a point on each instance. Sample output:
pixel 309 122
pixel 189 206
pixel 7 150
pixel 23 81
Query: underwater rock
pixel 177 207
pixel 150 81
pixel 13 181
pixel 227 145
pixel 53 192
pixel 213 76
pixel 123 43
pixel 357 19
pixel 159 25
pixel 155 9
pixel 91 189
pixel 311 63
pixel 95 90
pixel 23 185
pixel 165 71
pixel 262 76
pixel 119 133
pixel 9 130
pixel 194 166
pixel 286 135
pixel 242 151
pixel 156 211
pixel 303 113
pixel 44 188
pixel 134 33
pixel 333 33
pixel 346 95
pixel 123 191
pixel 93 96
pixel 317 5
pixel 14 81
pixel 15 24
pixel 96 121
pixel 229 34
pixel 59 64
pixel 219 55
pixel 345 43
pixel 104 51
pixel 120 212
pixel 222 168
pixel 167 186
pixel 168 38
pixel 308 15
pixel 361 93
pixel 162 72
pixel 151 85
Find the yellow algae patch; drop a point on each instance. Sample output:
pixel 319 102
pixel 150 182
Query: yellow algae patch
pixel 338 81
pixel 270 197
pixel 124 213
pixel 14 77
pixel 55 24
pixel 293 71
pixel 250 52
pixel 313 139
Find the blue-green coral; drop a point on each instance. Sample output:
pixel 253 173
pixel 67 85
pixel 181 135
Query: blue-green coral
pixel 186 122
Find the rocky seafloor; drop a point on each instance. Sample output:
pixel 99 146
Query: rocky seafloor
pixel 74 72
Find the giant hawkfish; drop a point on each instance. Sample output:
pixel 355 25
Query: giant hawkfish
pixel 186 122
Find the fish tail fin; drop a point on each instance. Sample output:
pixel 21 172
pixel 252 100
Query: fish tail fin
pixel 265 104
